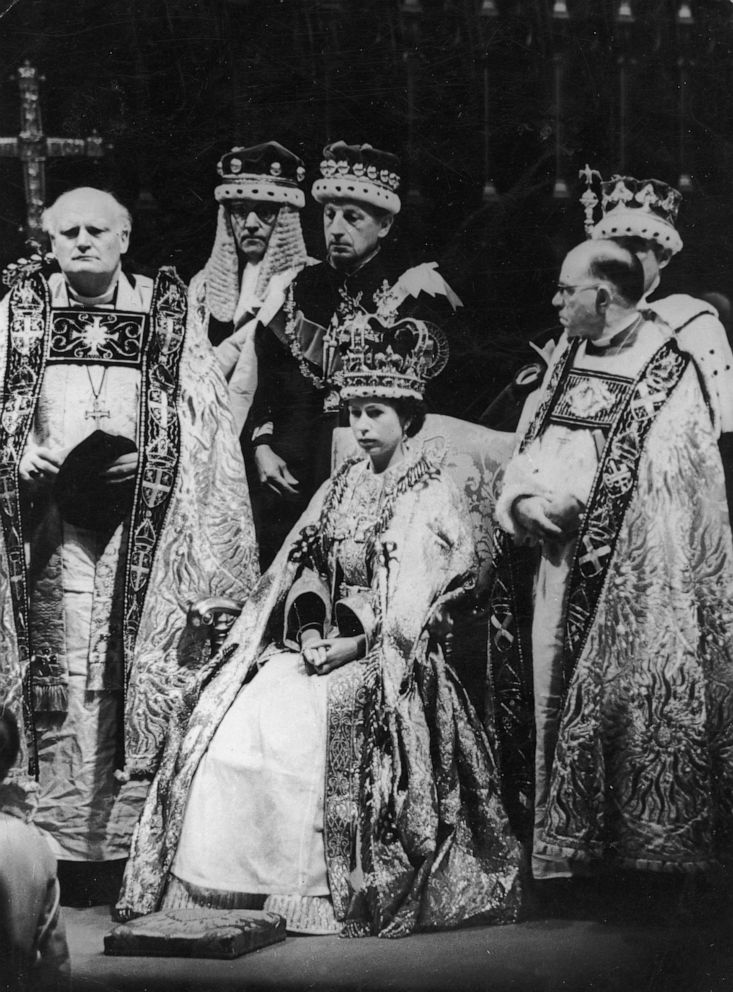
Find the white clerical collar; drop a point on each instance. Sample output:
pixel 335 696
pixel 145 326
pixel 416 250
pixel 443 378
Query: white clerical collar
pixel 612 335
pixel 106 298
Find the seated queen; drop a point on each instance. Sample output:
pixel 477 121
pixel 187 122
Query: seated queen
pixel 333 768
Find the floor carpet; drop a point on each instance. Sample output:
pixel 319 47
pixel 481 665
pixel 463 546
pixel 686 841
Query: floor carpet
pixel 551 954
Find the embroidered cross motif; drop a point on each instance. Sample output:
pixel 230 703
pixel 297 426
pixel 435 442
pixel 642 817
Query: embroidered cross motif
pixel 101 337
pixel 647 399
pixel 593 557
pixel 590 398
pixel 139 568
pixel 27 331
pixel 156 485
pixel 94 336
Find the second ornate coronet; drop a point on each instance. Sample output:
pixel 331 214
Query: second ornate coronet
pixel 266 173
pixel 361 173
pixel 642 208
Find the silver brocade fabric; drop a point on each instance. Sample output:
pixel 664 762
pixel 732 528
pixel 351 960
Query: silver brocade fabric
pixel 421 787
pixel 643 770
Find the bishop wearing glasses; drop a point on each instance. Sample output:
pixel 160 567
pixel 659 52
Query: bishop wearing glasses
pixel 611 617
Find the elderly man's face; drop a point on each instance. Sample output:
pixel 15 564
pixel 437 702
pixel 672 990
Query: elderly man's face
pixel 352 232
pixel 576 297
pixel 89 237
pixel 252 225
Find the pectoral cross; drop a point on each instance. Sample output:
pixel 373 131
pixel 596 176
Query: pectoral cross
pixel 97 412
pixel 32 147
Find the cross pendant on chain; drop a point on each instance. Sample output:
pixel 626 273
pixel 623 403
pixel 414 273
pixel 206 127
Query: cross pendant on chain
pixel 97 412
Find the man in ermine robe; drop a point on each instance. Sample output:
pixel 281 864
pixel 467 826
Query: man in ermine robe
pixel 296 406
pixel 123 500
pixel 641 215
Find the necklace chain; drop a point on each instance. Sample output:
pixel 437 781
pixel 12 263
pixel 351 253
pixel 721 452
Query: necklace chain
pixel 97 411
pixel 100 387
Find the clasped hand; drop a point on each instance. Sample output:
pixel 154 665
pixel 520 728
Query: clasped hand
pixel 41 465
pixel 548 518
pixel 324 654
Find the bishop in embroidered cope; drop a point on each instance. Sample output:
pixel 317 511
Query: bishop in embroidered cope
pixel 610 631
pixel 93 348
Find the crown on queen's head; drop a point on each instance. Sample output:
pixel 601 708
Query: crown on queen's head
pixel 644 208
pixel 382 358
pixel 266 173
pixel 361 173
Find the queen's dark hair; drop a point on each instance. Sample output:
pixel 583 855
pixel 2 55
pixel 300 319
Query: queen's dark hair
pixel 411 412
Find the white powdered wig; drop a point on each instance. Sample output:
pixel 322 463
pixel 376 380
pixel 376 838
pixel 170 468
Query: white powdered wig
pixel 285 250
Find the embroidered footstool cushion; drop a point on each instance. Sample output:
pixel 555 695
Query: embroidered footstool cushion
pixel 196 933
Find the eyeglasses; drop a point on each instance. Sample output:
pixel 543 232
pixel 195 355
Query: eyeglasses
pixel 263 211
pixel 567 291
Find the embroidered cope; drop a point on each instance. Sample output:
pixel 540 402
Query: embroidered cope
pixel 93 665
pixel 611 647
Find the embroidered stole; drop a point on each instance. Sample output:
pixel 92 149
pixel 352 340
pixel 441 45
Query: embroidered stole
pixel 37 336
pixel 511 606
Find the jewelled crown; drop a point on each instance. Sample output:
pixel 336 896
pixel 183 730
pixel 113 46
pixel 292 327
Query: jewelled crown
pixel 359 172
pixel 644 208
pixel 389 359
pixel 267 173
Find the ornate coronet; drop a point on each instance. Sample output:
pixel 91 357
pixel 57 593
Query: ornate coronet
pixel 390 358
pixel 645 208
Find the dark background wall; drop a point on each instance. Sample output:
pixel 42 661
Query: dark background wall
pixel 469 92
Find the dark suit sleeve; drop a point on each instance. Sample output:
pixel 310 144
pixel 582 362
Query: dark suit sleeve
pixel 263 412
